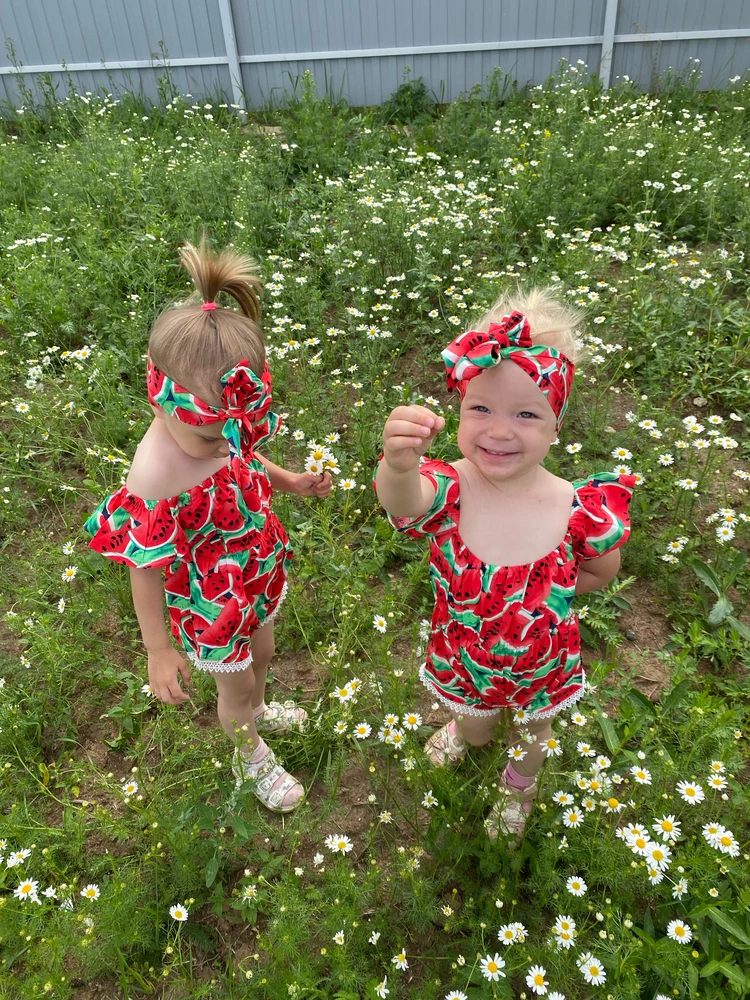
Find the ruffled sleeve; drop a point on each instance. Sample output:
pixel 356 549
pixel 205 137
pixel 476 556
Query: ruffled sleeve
pixel 600 522
pixel 442 513
pixel 141 533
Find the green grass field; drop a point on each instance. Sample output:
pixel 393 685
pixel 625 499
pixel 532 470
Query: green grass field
pixel 380 234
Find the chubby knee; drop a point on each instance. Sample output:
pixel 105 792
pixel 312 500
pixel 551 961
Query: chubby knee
pixel 235 688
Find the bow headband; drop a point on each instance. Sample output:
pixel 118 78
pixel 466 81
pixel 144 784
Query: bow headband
pixel 475 351
pixel 244 409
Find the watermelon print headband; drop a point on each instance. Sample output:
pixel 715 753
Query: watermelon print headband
pixel 246 400
pixel 475 351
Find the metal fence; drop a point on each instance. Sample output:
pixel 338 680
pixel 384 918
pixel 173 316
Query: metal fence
pixel 251 52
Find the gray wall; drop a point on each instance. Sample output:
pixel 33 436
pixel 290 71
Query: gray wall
pixel 276 41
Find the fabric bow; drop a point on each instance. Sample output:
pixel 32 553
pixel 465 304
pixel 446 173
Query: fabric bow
pixel 245 410
pixel 476 351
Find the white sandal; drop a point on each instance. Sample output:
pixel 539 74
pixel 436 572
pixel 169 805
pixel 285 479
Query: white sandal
pixel 279 718
pixel 510 812
pixel 445 746
pixel 271 783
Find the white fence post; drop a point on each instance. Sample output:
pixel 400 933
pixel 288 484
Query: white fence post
pixel 233 57
pixel 608 43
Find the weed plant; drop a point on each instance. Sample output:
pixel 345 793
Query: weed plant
pixel 131 864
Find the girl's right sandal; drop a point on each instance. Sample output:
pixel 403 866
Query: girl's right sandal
pixel 510 812
pixel 275 787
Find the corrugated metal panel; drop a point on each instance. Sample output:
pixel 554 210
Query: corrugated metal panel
pixel 87 32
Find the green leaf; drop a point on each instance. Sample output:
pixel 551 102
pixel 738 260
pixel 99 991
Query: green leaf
pixel 706 575
pixel 693 980
pixel 620 602
pixel 739 627
pixel 721 610
pixel 608 730
pixel 211 869
pixel 675 696
pixel 734 974
pixel 710 969
pixel 639 700
pixel 648 923
pixel 241 827
pixel 731 926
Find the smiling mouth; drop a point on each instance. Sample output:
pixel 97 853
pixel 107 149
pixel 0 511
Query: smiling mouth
pixel 498 454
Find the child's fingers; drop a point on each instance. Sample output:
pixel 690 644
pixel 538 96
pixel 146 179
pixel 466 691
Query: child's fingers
pixel 184 672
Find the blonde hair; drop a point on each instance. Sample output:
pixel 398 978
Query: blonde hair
pixel 553 323
pixel 196 347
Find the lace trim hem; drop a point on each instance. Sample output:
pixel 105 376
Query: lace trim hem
pixel 218 667
pixel 213 666
pixel 460 709
pixel 282 598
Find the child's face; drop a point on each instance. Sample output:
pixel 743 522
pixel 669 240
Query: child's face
pixel 198 442
pixel 506 426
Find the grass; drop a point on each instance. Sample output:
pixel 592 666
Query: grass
pixel 380 234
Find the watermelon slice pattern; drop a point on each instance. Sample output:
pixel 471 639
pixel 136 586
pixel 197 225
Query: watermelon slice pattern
pixel 224 552
pixel 506 636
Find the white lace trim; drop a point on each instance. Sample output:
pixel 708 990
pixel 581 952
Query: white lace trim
pixel 214 666
pixel 217 667
pixel 284 591
pixel 460 709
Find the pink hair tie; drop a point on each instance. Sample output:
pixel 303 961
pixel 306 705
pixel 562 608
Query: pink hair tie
pixel 208 306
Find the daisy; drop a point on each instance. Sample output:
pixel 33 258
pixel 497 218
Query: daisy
pixel 26 890
pixel 178 913
pixel 507 934
pixel 666 459
pixel 551 747
pixel 576 886
pixel 572 819
pixel 658 856
pixel 687 484
pixel 727 844
pixel 679 931
pixel 655 875
pixel 379 623
pixel 516 753
pixel 712 832
pixel 130 788
pixel 338 937
pixel 429 800
pixel 578 720
pixel 668 828
pixel 362 730
pixel 613 805
pixel 390 720
pixel 717 781
pixel 455 995
pixel 593 971
pixel 564 923
pixel 344 693
pixel 381 989
pixel 90 891
pixel 563 799
pixel 339 844
pixel 641 775
pixel 585 750
pixel 492 967
pixel 412 720
pixel 690 793
pixel 621 453
pixel 535 979
pixel 680 889
pixel 17 857
pixel 400 961
pixel 638 843
pixel 69 574
pixel 340 727
pixel 717 767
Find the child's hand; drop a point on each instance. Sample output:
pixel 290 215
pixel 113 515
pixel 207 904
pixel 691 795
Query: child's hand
pixel 308 484
pixel 165 667
pixel 408 433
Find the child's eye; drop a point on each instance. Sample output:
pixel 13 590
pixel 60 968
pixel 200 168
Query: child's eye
pixel 527 413
pixel 482 409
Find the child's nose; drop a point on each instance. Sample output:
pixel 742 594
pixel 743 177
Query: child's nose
pixel 501 429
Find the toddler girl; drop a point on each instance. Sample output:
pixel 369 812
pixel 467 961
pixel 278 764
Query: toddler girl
pixel 510 543
pixel 195 515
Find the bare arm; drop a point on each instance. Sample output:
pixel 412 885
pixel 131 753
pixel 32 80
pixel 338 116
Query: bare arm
pixel 165 664
pixel 408 433
pixel 595 574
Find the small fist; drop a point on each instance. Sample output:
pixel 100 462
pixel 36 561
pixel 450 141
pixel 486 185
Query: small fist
pixel 311 485
pixel 408 433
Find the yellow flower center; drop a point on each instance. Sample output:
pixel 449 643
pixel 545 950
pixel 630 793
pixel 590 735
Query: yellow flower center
pixel 666 826
pixel 612 803
pixel 538 980
pixel 689 791
pixel 640 842
pixel 178 913
pixel 726 841
pixel 679 931
pixel 492 966
pixel 594 970
pixel 658 856
pixel 342 845
pixel 25 889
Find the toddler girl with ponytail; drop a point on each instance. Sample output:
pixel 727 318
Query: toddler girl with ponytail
pixel 194 518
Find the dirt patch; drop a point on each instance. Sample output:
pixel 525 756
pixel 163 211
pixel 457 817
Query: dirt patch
pixel 647 632
pixel 98 990
pixel 295 672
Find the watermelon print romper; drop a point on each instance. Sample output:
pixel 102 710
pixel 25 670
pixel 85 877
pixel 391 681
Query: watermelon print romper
pixel 506 637
pixel 224 552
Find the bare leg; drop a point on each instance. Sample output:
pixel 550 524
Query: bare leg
pixel 263 648
pixel 275 717
pixel 477 730
pixel 535 756
pixel 235 706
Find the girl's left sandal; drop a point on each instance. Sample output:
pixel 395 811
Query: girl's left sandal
pixel 279 718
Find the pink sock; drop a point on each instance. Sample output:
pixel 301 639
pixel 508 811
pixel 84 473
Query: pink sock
pixel 259 709
pixel 259 752
pixel 516 780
